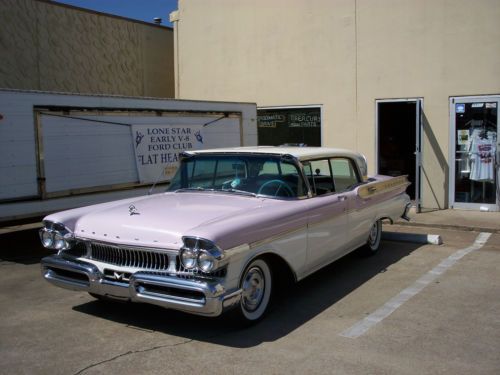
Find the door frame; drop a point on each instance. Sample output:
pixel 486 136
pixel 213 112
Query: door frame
pixel 451 154
pixel 419 103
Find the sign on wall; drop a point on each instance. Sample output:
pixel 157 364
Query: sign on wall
pixel 289 126
pixel 157 148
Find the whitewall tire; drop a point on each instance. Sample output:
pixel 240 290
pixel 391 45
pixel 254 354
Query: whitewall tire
pixel 374 237
pixel 256 285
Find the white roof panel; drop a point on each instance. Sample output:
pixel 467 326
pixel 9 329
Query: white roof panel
pixel 301 153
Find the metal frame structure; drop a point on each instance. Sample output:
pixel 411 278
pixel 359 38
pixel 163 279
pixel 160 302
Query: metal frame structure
pixel 73 112
pixel 451 154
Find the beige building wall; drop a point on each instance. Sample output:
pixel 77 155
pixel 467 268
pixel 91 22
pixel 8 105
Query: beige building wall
pixel 429 49
pixel 52 47
pixel 344 55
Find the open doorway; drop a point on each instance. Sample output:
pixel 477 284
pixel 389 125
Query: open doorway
pixel 398 140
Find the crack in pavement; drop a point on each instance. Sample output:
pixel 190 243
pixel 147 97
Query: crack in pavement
pixel 132 352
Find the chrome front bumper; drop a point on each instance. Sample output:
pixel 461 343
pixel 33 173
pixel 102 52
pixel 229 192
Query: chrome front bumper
pixel 208 298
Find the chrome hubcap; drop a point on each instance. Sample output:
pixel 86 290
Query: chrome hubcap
pixel 373 234
pixel 253 289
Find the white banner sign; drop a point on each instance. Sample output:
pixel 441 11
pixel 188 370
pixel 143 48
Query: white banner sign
pixel 157 148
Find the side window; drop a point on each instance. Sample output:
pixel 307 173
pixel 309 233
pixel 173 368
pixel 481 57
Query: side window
pixel 288 169
pixel 269 167
pixel 320 177
pixel 291 176
pixel 344 174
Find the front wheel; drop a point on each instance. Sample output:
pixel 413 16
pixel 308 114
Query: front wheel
pixel 373 241
pixel 256 285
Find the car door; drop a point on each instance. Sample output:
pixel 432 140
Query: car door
pixel 327 216
pixel 359 216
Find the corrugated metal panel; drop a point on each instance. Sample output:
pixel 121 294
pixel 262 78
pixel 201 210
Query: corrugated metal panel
pixel 18 152
pixel 79 154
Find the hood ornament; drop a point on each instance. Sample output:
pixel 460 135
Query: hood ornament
pixel 132 210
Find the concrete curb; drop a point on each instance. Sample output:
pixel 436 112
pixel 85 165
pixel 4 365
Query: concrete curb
pixel 469 228
pixel 432 239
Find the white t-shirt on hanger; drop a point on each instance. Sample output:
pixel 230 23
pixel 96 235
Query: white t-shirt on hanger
pixel 482 156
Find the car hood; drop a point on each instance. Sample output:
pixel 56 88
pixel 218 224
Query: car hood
pixel 159 220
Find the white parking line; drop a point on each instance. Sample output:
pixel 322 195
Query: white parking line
pixel 384 311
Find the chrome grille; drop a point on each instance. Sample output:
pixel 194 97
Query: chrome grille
pixel 77 250
pixel 130 257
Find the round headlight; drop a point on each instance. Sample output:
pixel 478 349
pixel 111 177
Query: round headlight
pixel 206 261
pixel 188 258
pixel 59 241
pixel 47 239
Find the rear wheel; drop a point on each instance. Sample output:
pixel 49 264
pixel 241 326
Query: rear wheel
pixel 374 236
pixel 256 286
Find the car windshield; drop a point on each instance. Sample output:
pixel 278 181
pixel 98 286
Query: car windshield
pixel 272 176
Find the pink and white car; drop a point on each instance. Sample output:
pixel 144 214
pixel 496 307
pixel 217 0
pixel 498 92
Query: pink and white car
pixel 231 225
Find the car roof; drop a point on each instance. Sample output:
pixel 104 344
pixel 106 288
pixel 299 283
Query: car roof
pixel 301 153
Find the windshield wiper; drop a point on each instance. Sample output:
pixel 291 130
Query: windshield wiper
pixel 231 190
pixel 242 192
pixel 199 188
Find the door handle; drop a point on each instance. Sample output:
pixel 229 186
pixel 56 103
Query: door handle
pixel 342 198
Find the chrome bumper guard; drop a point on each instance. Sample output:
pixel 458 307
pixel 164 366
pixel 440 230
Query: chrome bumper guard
pixel 208 298
pixel 405 213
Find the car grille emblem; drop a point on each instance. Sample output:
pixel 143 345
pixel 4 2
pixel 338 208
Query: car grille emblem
pixel 118 276
pixel 132 210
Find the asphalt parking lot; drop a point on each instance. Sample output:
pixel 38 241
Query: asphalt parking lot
pixel 450 325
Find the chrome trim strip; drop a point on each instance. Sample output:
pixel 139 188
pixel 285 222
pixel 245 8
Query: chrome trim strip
pixel 275 237
pixel 380 187
pixel 232 299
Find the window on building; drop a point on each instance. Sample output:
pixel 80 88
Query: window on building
pixel 290 126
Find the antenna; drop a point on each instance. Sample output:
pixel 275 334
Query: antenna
pixel 156 181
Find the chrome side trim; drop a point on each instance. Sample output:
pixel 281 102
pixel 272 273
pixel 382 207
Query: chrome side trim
pixel 232 299
pixel 275 237
pixel 380 187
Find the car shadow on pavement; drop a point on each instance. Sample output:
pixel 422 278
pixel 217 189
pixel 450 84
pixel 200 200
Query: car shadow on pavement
pixel 292 308
pixel 22 247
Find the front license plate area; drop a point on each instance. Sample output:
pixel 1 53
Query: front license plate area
pixel 117 276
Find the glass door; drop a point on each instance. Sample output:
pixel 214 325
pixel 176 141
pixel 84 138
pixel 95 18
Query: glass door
pixel 474 144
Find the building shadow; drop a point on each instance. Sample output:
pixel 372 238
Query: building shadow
pixel 442 160
pixel 292 308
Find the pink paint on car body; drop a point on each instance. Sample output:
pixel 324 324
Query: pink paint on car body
pixel 232 216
